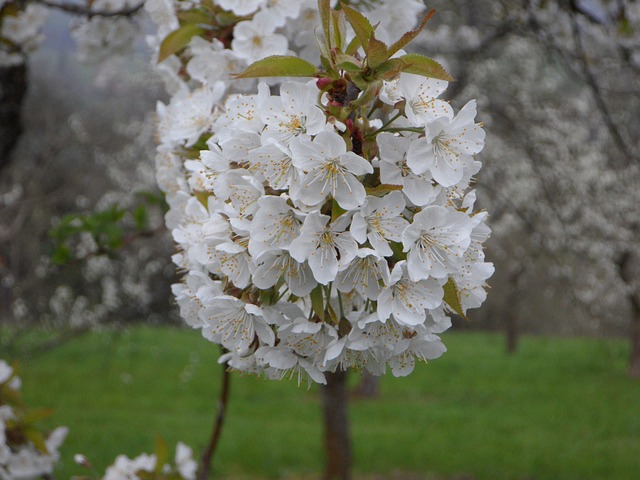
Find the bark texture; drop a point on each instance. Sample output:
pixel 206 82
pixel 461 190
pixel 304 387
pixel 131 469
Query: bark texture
pixel 368 386
pixel 337 439
pixel 627 262
pixel 512 330
pixel 13 86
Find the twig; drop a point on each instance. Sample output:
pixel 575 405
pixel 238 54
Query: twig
pixel 80 10
pixel 615 133
pixel 205 462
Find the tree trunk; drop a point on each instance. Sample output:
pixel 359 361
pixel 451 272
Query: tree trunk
pixel 512 332
pixel 337 441
pixel 626 270
pixel 368 386
pixel 13 86
pixel 634 357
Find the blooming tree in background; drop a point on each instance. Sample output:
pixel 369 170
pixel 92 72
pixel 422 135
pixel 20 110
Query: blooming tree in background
pixel 564 206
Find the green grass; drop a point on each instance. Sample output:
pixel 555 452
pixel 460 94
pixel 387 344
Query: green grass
pixel 559 409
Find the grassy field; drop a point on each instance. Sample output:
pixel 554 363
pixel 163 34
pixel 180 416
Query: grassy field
pixel 559 409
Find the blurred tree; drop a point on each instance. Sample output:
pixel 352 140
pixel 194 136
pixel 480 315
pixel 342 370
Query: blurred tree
pixel 558 82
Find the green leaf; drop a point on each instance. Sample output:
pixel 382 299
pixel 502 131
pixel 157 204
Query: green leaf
pixel 377 52
pixel 348 62
pixel 177 40
pixel 326 64
pixel 409 36
pixel 144 475
pixel 335 319
pixel 361 25
pixel 37 414
pixel 317 303
pixel 339 30
pixel 203 197
pixel 324 6
pixel 336 210
pixel 225 19
pixel 279 66
pixel 141 217
pixel 10 396
pixel 358 81
pixel 61 255
pixel 353 46
pixel 425 66
pixel 382 190
pixel 398 251
pixel 37 439
pixel 162 453
pixel 389 69
pixel 194 16
pixel 452 297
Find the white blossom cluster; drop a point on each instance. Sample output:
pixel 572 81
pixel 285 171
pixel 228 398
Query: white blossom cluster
pixel 20 31
pixel 20 459
pixel 144 466
pixel 311 244
pixel 267 27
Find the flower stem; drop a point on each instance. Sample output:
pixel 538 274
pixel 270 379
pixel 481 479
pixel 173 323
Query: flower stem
pixel 389 122
pixel 205 461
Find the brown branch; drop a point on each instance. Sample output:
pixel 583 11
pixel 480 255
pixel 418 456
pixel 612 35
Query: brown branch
pixel 80 10
pixel 598 97
pixel 205 461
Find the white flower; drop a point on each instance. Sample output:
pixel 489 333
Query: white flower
pixel 436 242
pixel 283 9
pixel 293 113
pixel 329 170
pixel 125 468
pixel 193 115
pixel 380 221
pixel 407 299
pixel 185 463
pixel 471 283
pixel 273 163
pixel 394 17
pixel 420 93
pixel 394 169
pixel 208 63
pixel 241 7
pixel 163 15
pixel 242 114
pixel 205 171
pixel 326 246
pixel 5 371
pixel 367 274
pixel 424 347
pixel 232 259
pixel 235 324
pixel 447 145
pixel 255 39
pixel 276 264
pixel 275 225
pixel 241 188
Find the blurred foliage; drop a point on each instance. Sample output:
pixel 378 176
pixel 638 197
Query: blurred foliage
pixel 110 229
